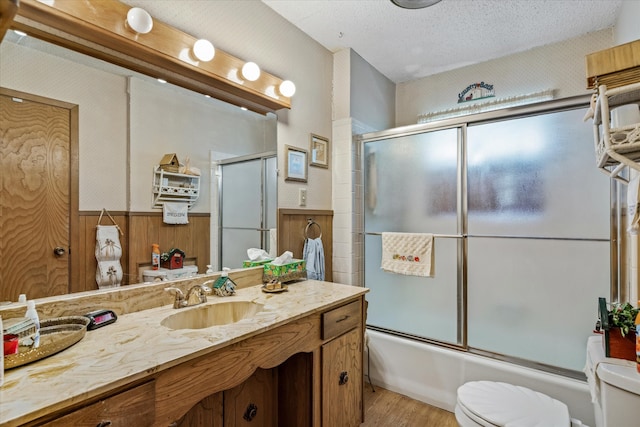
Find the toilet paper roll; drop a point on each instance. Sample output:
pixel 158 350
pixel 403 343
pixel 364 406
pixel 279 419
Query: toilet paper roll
pixel 625 115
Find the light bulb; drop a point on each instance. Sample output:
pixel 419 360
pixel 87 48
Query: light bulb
pixel 204 50
pixel 251 71
pixel 139 20
pixel 287 88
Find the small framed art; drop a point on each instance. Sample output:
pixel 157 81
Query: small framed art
pixel 319 151
pixel 295 164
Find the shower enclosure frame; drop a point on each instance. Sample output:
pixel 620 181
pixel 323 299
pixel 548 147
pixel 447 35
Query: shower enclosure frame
pixel 616 241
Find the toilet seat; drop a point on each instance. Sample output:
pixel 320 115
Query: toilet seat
pixel 491 404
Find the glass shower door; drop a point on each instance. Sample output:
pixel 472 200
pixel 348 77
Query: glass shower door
pixel 411 185
pixel 248 205
pixel 538 246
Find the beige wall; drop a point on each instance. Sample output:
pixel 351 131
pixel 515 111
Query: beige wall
pixel 560 66
pixel 250 30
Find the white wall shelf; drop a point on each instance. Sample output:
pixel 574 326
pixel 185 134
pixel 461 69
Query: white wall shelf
pixel 174 187
pixel 616 147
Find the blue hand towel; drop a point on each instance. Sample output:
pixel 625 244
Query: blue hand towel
pixel 313 254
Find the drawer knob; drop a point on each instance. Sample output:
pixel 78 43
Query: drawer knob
pixel 344 378
pixel 104 423
pixel 251 412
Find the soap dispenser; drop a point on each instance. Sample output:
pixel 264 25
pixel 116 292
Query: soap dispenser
pixel 33 315
pixel 224 286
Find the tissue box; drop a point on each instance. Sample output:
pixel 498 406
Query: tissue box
pixel 296 269
pixel 249 263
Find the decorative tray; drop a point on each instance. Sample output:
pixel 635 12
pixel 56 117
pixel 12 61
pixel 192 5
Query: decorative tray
pixel 56 334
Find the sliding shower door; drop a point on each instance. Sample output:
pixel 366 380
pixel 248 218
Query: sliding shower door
pixel 411 185
pixel 522 225
pixel 538 246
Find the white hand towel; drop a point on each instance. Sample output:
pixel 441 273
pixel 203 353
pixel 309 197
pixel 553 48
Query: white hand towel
pixel 175 213
pixel 313 254
pixel 273 242
pixel 410 254
pixel 108 247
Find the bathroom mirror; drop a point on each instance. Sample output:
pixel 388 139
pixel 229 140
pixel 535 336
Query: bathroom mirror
pixel 126 123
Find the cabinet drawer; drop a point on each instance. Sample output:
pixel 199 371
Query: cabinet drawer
pixel 134 407
pixel 340 320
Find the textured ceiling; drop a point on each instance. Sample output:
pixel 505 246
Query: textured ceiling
pixel 405 45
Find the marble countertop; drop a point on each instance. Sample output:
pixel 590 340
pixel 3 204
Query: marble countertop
pixel 137 345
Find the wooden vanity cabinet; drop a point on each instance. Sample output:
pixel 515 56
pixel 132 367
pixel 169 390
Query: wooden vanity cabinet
pixel 342 357
pixel 305 373
pixel 133 407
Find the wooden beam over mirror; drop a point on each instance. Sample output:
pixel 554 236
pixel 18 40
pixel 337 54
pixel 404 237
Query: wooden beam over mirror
pixel 98 29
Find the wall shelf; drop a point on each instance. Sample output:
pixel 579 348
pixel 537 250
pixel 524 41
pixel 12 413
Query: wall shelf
pixel 617 147
pixel 174 187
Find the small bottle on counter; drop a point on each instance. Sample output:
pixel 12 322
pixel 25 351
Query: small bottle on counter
pixel 33 315
pixel 155 256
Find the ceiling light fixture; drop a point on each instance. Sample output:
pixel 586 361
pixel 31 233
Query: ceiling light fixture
pixel 414 4
pixel 139 20
pixel 204 50
pixel 251 71
pixel 287 88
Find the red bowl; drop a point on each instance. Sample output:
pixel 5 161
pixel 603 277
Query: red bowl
pixel 10 344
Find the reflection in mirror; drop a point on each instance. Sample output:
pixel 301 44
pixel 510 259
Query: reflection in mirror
pixel 126 122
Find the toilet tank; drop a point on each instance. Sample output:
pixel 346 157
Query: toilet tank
pixel 614 386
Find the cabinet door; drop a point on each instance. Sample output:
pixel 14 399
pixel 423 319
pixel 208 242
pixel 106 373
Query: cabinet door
pixel 134 407
pixel 254 402
pixel 342 380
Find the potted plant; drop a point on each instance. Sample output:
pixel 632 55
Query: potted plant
pixel 618 322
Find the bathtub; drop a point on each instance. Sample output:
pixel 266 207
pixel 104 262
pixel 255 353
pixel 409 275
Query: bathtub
pixel 432 374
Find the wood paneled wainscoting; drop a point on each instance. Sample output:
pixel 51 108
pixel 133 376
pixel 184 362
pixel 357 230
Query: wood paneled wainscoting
pixel 292 224
pixel 140 230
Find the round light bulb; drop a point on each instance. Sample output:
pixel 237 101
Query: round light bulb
pixel 204 50
pixel 251 71
pixel 139 20
pixel 287 88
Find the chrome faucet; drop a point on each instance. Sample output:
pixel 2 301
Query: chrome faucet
pixel 183 301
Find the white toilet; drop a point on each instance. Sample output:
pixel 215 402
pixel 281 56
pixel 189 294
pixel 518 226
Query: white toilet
pixel 614 385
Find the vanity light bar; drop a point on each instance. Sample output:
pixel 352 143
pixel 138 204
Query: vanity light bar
pixel 94 28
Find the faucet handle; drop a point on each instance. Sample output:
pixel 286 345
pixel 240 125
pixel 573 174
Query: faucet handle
pixel 179 301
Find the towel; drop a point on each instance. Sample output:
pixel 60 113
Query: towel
pixel 313 254
pixel 408 253
pixel 175 213
pixel 595 356
pixel 108 247
pixel 633 207
pixel 273 242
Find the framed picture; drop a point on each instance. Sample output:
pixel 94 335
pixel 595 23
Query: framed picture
pixel 295 164
pixel 319 151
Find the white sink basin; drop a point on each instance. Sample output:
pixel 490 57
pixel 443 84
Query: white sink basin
pixel 213 314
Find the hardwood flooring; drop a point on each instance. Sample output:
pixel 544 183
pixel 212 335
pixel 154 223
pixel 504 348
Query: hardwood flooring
pixel 385 408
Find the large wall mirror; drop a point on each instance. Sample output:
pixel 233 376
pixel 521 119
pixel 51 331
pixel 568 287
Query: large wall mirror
pixel 126 122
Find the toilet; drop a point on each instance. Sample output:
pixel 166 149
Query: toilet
pixel 615 392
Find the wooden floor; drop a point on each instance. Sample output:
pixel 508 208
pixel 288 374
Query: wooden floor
pixel 385 408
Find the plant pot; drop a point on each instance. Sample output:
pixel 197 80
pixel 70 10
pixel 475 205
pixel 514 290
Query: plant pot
pixel 617 346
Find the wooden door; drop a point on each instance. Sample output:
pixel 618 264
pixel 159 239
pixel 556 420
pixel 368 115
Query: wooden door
pixel 342 380
pixel 38 194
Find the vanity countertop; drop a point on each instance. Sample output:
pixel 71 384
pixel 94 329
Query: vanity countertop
pixel 137 346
